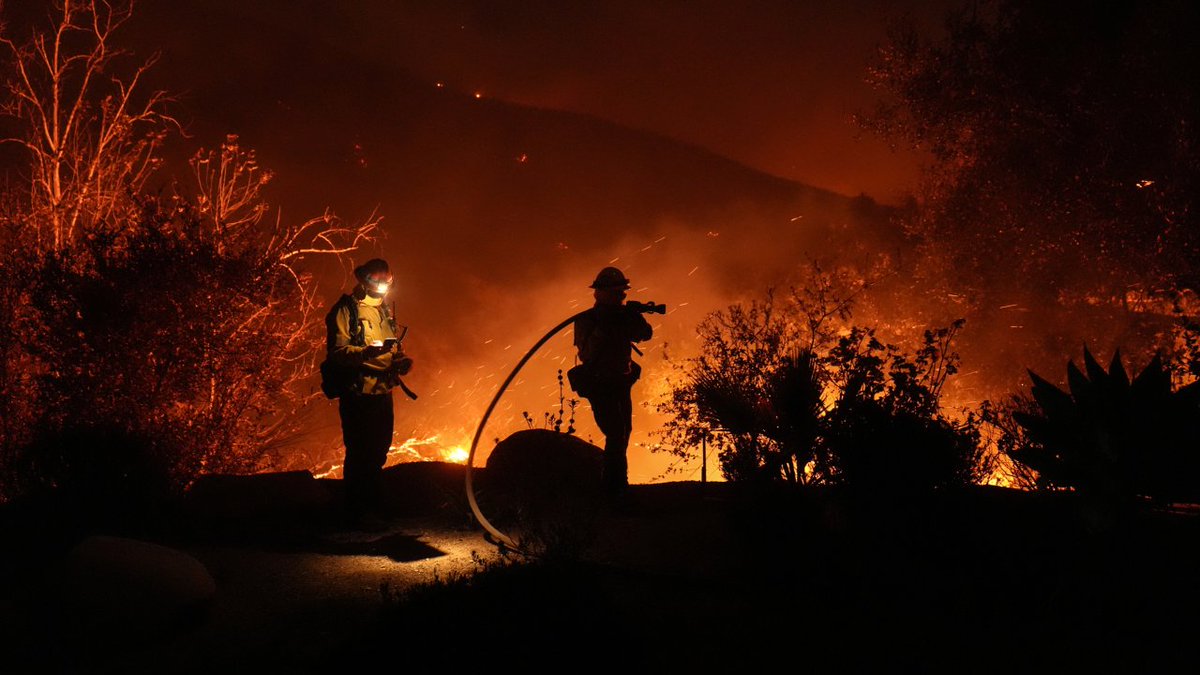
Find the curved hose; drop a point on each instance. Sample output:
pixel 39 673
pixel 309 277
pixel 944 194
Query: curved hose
pixel 483 521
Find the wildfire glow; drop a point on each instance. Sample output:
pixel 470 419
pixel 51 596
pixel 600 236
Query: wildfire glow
pixel 428 449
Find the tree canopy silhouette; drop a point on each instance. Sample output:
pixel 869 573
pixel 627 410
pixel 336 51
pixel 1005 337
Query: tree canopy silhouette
pixel 1064 141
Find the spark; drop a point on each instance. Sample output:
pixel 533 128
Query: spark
pixel 647 248
pixel 661 239
pixel 524 158
pixel 440 85
pixel 478 95
pixel 713 234
pixel 796 218
pixel 693 270
pixel 1008 306
pixel 1144 184
pixel 614 260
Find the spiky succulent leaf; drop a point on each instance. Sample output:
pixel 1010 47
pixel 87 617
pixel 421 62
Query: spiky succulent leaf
pixel 1095 371
pixel 1082 390
pixel 1153 382
pixel 1114 437
pixel 1054 401
pixel 1116 371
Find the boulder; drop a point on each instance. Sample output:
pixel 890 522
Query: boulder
pixel 541 464
pixel 544 488
pixel 128 592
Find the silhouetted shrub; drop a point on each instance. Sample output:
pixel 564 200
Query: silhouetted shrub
pixel 152 332
pixel 887 428
pixel 103 473
pixel 1113 436
pixel 876 448
pixel 792 391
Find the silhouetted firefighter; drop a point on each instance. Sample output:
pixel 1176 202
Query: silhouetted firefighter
pixel 364 361
pixel 604 336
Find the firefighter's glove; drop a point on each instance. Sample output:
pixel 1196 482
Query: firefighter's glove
pixel 371 351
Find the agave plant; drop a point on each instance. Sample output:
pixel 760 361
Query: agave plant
pixel 1115 436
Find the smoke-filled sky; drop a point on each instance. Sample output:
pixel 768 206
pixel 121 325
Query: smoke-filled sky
pixel 769 83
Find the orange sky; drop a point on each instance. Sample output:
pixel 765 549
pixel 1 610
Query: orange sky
pixel 771 83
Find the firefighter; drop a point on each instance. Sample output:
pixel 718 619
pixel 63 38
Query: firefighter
pixel 362 343
pixel 604 338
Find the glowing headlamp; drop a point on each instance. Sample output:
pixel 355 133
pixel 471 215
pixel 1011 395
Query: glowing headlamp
pixel 379 286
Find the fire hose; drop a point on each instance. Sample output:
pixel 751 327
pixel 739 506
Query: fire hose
pixel 499 537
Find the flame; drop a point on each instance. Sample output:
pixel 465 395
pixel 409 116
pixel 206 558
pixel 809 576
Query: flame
pixel 428 449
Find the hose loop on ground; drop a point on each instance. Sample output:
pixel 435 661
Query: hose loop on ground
pixel 499 538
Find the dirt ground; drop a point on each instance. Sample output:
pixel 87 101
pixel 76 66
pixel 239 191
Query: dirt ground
pixel 681 573
pixel 293 585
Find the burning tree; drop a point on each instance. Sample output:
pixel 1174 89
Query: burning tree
pixel 175 327
pixel 89 130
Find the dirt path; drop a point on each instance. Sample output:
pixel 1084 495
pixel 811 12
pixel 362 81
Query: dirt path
pixel 290 608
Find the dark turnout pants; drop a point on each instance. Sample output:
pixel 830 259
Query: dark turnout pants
pixel 367 432
pixel 612 406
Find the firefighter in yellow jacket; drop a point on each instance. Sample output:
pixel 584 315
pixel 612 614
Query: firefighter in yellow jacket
pixel 362 343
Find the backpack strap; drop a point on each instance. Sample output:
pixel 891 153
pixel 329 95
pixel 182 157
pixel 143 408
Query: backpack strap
pixel 389 312
pixel 357 334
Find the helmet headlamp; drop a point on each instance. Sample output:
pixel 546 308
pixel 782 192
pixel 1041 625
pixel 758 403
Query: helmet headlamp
pixel 379 284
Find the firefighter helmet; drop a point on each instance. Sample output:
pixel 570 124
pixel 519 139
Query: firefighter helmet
pixel 374 275
pixel 610 277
